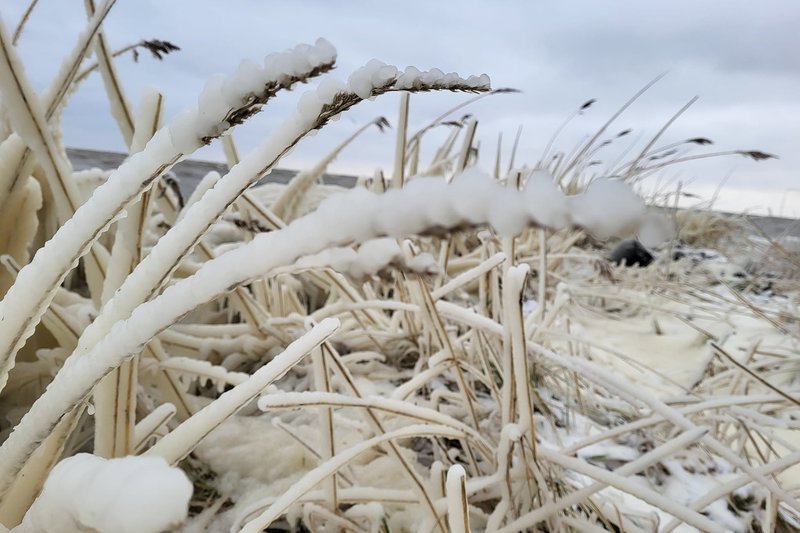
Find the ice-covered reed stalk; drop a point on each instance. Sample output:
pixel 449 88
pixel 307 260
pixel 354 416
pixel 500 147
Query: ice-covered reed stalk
pixel 398 175
pixel 149 426
pixel 115 397
pixel 520 378
pixel 291 400
pixel 120 107
pixel 327 436
pixel 457 504
pixel 286 204
pixel 315 109
pixel 224 103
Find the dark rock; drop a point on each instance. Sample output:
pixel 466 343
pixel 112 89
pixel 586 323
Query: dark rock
pixel 632 253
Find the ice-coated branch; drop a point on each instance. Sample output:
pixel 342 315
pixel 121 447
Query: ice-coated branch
pixel 126 495
pixel 224 102
pixel 424 206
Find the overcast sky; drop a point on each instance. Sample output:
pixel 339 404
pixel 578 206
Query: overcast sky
pixel 740 57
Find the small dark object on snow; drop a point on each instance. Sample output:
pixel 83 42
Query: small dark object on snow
pixel 632 253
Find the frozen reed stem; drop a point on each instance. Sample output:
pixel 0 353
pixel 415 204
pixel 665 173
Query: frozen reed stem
pixel 457 503
pixel 120 107
pixel 115 396
pixel 326 427
pixel 178 443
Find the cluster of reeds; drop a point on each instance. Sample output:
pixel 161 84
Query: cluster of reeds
pixel 390 323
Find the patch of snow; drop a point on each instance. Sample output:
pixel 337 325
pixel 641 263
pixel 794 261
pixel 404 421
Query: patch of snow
pixel 126 495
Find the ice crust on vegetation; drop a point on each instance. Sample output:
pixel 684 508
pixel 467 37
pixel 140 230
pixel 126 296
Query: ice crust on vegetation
pixel 126 495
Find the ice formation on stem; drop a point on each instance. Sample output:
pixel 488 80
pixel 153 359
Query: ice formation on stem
pixel 457 505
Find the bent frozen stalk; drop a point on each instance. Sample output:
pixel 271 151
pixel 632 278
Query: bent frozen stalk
pixel 23 305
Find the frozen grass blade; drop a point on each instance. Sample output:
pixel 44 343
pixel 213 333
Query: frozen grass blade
pixel 115 396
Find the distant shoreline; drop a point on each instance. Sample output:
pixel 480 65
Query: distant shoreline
pixel 191 171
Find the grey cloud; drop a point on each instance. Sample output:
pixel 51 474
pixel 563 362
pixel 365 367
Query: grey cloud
pixel 740 57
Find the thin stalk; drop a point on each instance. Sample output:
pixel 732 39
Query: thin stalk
pixel 398 176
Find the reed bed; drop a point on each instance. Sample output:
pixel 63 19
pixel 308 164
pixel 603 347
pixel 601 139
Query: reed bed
pixel 444 350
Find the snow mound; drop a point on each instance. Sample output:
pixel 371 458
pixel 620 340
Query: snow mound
pixel 126 495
